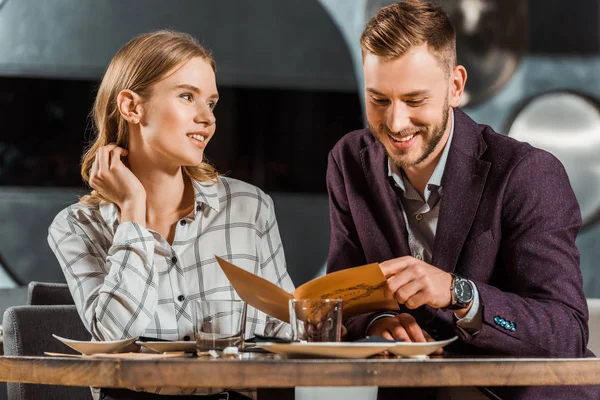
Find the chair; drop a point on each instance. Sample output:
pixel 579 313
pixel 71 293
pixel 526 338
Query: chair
pixel 10 297
pixel 28 332
pixel 25 214
pixel 48 293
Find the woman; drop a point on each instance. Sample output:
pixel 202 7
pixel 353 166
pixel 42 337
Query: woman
pixel 140 248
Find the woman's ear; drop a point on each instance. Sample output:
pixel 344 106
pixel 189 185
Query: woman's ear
pixel 130 106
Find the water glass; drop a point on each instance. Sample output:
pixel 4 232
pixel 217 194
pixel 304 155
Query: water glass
pixel 316 320
pixel 219 324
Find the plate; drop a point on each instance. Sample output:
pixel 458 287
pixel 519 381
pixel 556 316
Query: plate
pixel 89 347
pixel 326 349
pixel 354 349
pixel 418 349
pixel 163 347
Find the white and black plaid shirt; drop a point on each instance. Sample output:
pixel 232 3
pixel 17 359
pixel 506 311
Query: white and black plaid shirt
pixel 129 281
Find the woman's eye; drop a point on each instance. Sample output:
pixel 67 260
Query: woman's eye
pixel 187 96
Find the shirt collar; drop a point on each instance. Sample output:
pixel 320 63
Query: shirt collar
pixel 207 193
pixel 204 193
pixel 436 177
pixel 438 172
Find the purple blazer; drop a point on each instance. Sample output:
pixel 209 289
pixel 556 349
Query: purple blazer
pixel 508 222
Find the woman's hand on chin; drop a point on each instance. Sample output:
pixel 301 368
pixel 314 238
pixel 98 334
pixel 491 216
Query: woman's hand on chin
pixel 113 180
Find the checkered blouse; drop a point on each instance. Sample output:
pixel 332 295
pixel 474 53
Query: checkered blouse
pixel 128 281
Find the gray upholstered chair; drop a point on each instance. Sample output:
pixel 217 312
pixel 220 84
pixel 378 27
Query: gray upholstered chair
pixel 10 297
pixel 48 293
pixel 28 332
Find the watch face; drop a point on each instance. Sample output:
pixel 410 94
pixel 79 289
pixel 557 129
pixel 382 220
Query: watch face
pixel 463 291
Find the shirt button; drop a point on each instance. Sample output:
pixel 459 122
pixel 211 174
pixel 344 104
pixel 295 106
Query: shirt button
pixel 174 260
pixel 182 222
pixel 181 297
pixel 419 217
pixel 198 207
pixel 186 338
pixel 418 257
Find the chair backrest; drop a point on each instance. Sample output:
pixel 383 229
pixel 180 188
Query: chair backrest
pixel 594 325
pixel 25 215
pixel 48 293
pixel 28 332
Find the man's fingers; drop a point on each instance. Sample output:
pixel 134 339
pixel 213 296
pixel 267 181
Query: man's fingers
pixel 398 332
pixel 407 290
pixel 397 281
pixel 387 335
pixel 416 300
pixel 392 267
pixel 411 327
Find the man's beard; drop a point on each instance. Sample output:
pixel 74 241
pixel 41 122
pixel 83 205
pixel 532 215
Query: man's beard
pixel 437 133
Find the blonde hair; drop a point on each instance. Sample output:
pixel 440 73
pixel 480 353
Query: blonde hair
pixel 137 66
pixel 397 28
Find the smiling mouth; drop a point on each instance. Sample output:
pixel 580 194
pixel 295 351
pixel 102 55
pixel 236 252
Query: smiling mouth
pixel 199 138
pixel 402 139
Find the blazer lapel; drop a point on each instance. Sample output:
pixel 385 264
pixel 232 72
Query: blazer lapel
pixel 462 184
pixel 386 208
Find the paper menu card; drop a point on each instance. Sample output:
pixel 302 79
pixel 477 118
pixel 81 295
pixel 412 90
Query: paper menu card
pixel 361 288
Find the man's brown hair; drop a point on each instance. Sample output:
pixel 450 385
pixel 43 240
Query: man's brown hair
pixel 399 27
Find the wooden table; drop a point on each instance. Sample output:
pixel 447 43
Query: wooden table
pixel 271 371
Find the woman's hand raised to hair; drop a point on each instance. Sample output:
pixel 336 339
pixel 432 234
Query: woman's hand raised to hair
pixel 113 180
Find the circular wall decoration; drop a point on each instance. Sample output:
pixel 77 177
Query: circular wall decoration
pixel 567 124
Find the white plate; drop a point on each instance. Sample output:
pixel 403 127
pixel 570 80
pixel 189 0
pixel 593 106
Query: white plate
pixel 162 347
pixel 354 349
pixel 89 347
pixel 326 349
pixel 414 349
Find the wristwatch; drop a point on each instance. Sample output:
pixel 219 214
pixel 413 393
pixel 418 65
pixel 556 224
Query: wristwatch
pixel 462 292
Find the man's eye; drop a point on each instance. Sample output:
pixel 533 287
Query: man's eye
pixel 212 105
pixel 379 101
pixel 414 103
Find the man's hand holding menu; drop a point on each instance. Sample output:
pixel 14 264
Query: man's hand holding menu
pixel 361 288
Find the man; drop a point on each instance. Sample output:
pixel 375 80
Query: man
pixel 474 231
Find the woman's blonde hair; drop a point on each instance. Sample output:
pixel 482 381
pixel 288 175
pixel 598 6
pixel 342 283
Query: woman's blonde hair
pixel 137 66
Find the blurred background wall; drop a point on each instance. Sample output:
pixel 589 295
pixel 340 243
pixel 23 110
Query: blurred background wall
pixel 290 82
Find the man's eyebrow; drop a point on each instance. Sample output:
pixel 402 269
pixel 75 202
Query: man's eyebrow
pixel 194 89
pixel 377 92
pixel 414 93
pixel 417 93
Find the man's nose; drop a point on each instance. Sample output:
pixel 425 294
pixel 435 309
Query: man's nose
pixel 398 117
